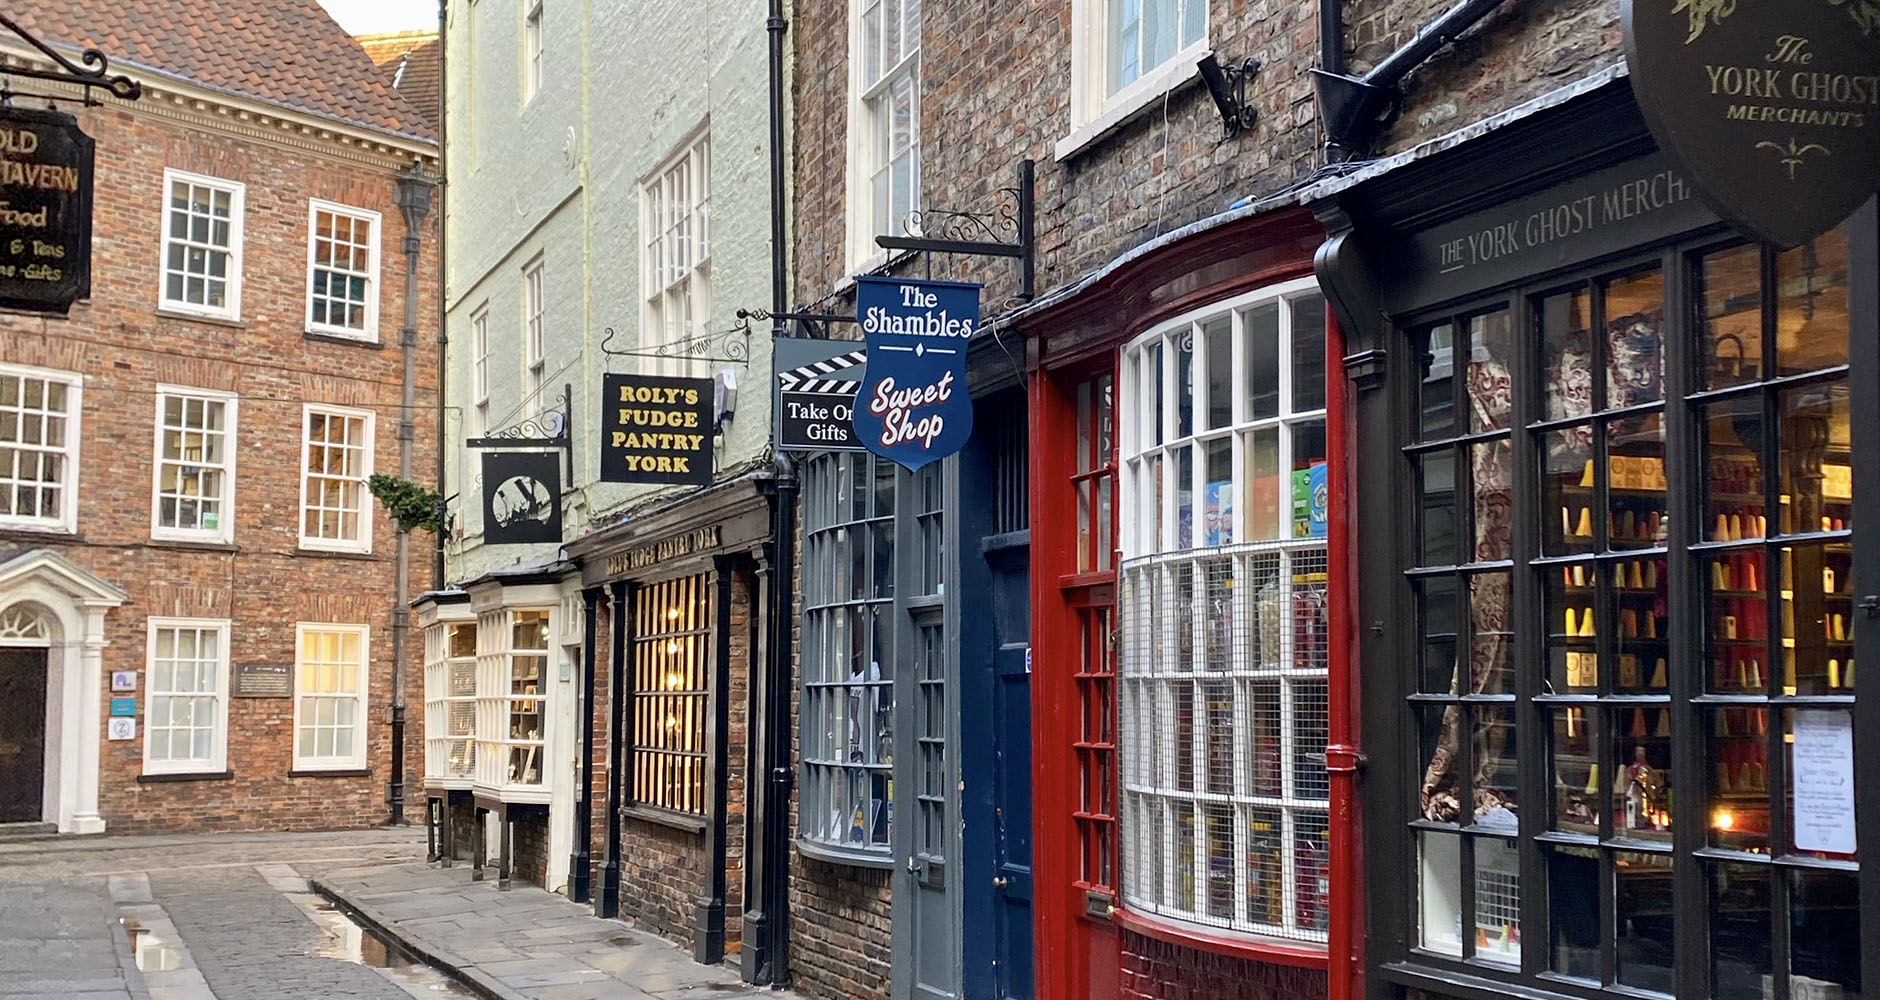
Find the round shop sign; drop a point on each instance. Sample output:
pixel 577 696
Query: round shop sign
pixel 1770 107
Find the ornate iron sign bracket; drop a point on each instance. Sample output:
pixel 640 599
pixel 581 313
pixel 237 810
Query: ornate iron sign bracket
pixel 733 346
pixel 94 74
pixel 1008 231
pixel 548 430
pixel 816 323
pixel 1228 87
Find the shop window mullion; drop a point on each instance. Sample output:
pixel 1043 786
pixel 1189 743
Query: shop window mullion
pixel 1527 645
pixel 1685 472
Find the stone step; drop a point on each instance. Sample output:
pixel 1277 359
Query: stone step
pixel 27 831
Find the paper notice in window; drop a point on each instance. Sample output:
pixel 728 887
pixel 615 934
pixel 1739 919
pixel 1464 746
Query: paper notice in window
pixel 1824 781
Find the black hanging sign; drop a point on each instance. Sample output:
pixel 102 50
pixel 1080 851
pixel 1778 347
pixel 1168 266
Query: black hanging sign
pixel 521 497
pixel 1770 107
pixel 45 211
pixel 656 430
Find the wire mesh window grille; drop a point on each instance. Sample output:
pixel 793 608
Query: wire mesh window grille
pixel 1223 738
pixel 677 256
pixel 343 266
pixel 671 671
pixel 1222 618
pixel 38 447
pixel 330 701
pixel 194 469
pixel 450 719
pixel 847 712
pixel 338 459
pixel 186 707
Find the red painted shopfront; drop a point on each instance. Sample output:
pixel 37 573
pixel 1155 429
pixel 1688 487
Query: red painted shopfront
pixel 1195 817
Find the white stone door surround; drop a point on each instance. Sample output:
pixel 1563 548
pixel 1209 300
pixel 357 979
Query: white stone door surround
pixel 49 602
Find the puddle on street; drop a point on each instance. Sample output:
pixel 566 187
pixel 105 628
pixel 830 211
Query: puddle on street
pixel 151 953
pixel 348 941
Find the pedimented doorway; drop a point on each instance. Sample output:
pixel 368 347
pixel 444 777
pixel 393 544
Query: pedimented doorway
pixel 22 733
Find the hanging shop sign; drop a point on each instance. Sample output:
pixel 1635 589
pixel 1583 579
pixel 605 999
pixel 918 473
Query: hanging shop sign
pixel 1771 109
pixel 912 406
pixel 813 401
pixel 521 497
pixel 656 430
pixel 45 210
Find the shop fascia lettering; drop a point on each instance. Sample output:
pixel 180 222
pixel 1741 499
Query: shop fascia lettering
pixel 1568 218
pixel 671 548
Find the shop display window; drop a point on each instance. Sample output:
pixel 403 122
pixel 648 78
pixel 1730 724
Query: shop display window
pixel 512 698
pixel 450 664
pixel 1220 679
pixel 1631 558
pixel 671 671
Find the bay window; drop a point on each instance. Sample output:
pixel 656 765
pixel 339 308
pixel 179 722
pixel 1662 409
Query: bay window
pixel 1222 617
pixel 511 698
pixel 450 664
pixel 847 706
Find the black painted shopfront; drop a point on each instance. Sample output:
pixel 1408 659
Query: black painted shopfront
pixel 1609 652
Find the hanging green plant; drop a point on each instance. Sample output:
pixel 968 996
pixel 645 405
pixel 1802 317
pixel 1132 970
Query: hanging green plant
pixel 411 505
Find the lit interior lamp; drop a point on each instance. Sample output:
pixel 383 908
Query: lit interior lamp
pixel 673 614
pixel 1722 819
pixel 673 646
pixel 672 681
pixel 672 722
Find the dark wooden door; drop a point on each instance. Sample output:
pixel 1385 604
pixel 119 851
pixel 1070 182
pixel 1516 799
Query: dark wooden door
pixel 22 734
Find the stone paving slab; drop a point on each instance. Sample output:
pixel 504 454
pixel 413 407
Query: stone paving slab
pixel 525 943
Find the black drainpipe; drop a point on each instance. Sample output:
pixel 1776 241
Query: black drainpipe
pixel 1332 36
pixel 443 290
pixel 767 938
pixel 580 865
pixel 1356 110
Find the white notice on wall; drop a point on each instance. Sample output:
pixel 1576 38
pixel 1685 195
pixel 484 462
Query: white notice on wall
pixel 120 728
pixel 1824 781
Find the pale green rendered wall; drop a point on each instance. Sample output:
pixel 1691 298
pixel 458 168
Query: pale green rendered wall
pixel 624 83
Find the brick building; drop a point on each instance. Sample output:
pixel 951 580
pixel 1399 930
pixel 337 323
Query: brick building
pixel 200 594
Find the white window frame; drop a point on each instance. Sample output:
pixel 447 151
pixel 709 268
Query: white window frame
pixel 480 371
pixel 534 350
pixel 224 531
pixel 217 761
pixel 357 759
pixel 1095 113
pixel 1267 577
pixel 370 333
pixel 67 520
pixel 864 155
pixel 363 544
pixel 237 210
pixel 440 742
pixel 531 50
pixel 664 286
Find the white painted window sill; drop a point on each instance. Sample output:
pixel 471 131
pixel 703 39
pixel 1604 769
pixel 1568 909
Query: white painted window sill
pixel 1132 101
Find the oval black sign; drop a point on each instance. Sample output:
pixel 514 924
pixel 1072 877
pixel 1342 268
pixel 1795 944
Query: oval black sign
pixel 1770 107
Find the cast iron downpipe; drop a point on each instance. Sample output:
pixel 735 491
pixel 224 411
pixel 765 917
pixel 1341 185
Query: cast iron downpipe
pixel 1357 110
pixel 1344 758
pixel 580 864
pixel 414 201
pixel 767 960
pixel 443 290
pixel 608 905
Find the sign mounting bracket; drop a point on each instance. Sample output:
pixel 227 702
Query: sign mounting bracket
pixel 1008 231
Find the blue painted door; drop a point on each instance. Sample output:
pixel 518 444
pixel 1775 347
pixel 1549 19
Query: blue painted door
pixel 1011 710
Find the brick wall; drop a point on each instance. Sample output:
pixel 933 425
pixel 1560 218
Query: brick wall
pixel 661 875
pixel 1518 53
pixel 529 850
pixel 996 89
pixel 841 930
pixel 1156 970
pixel 261 582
